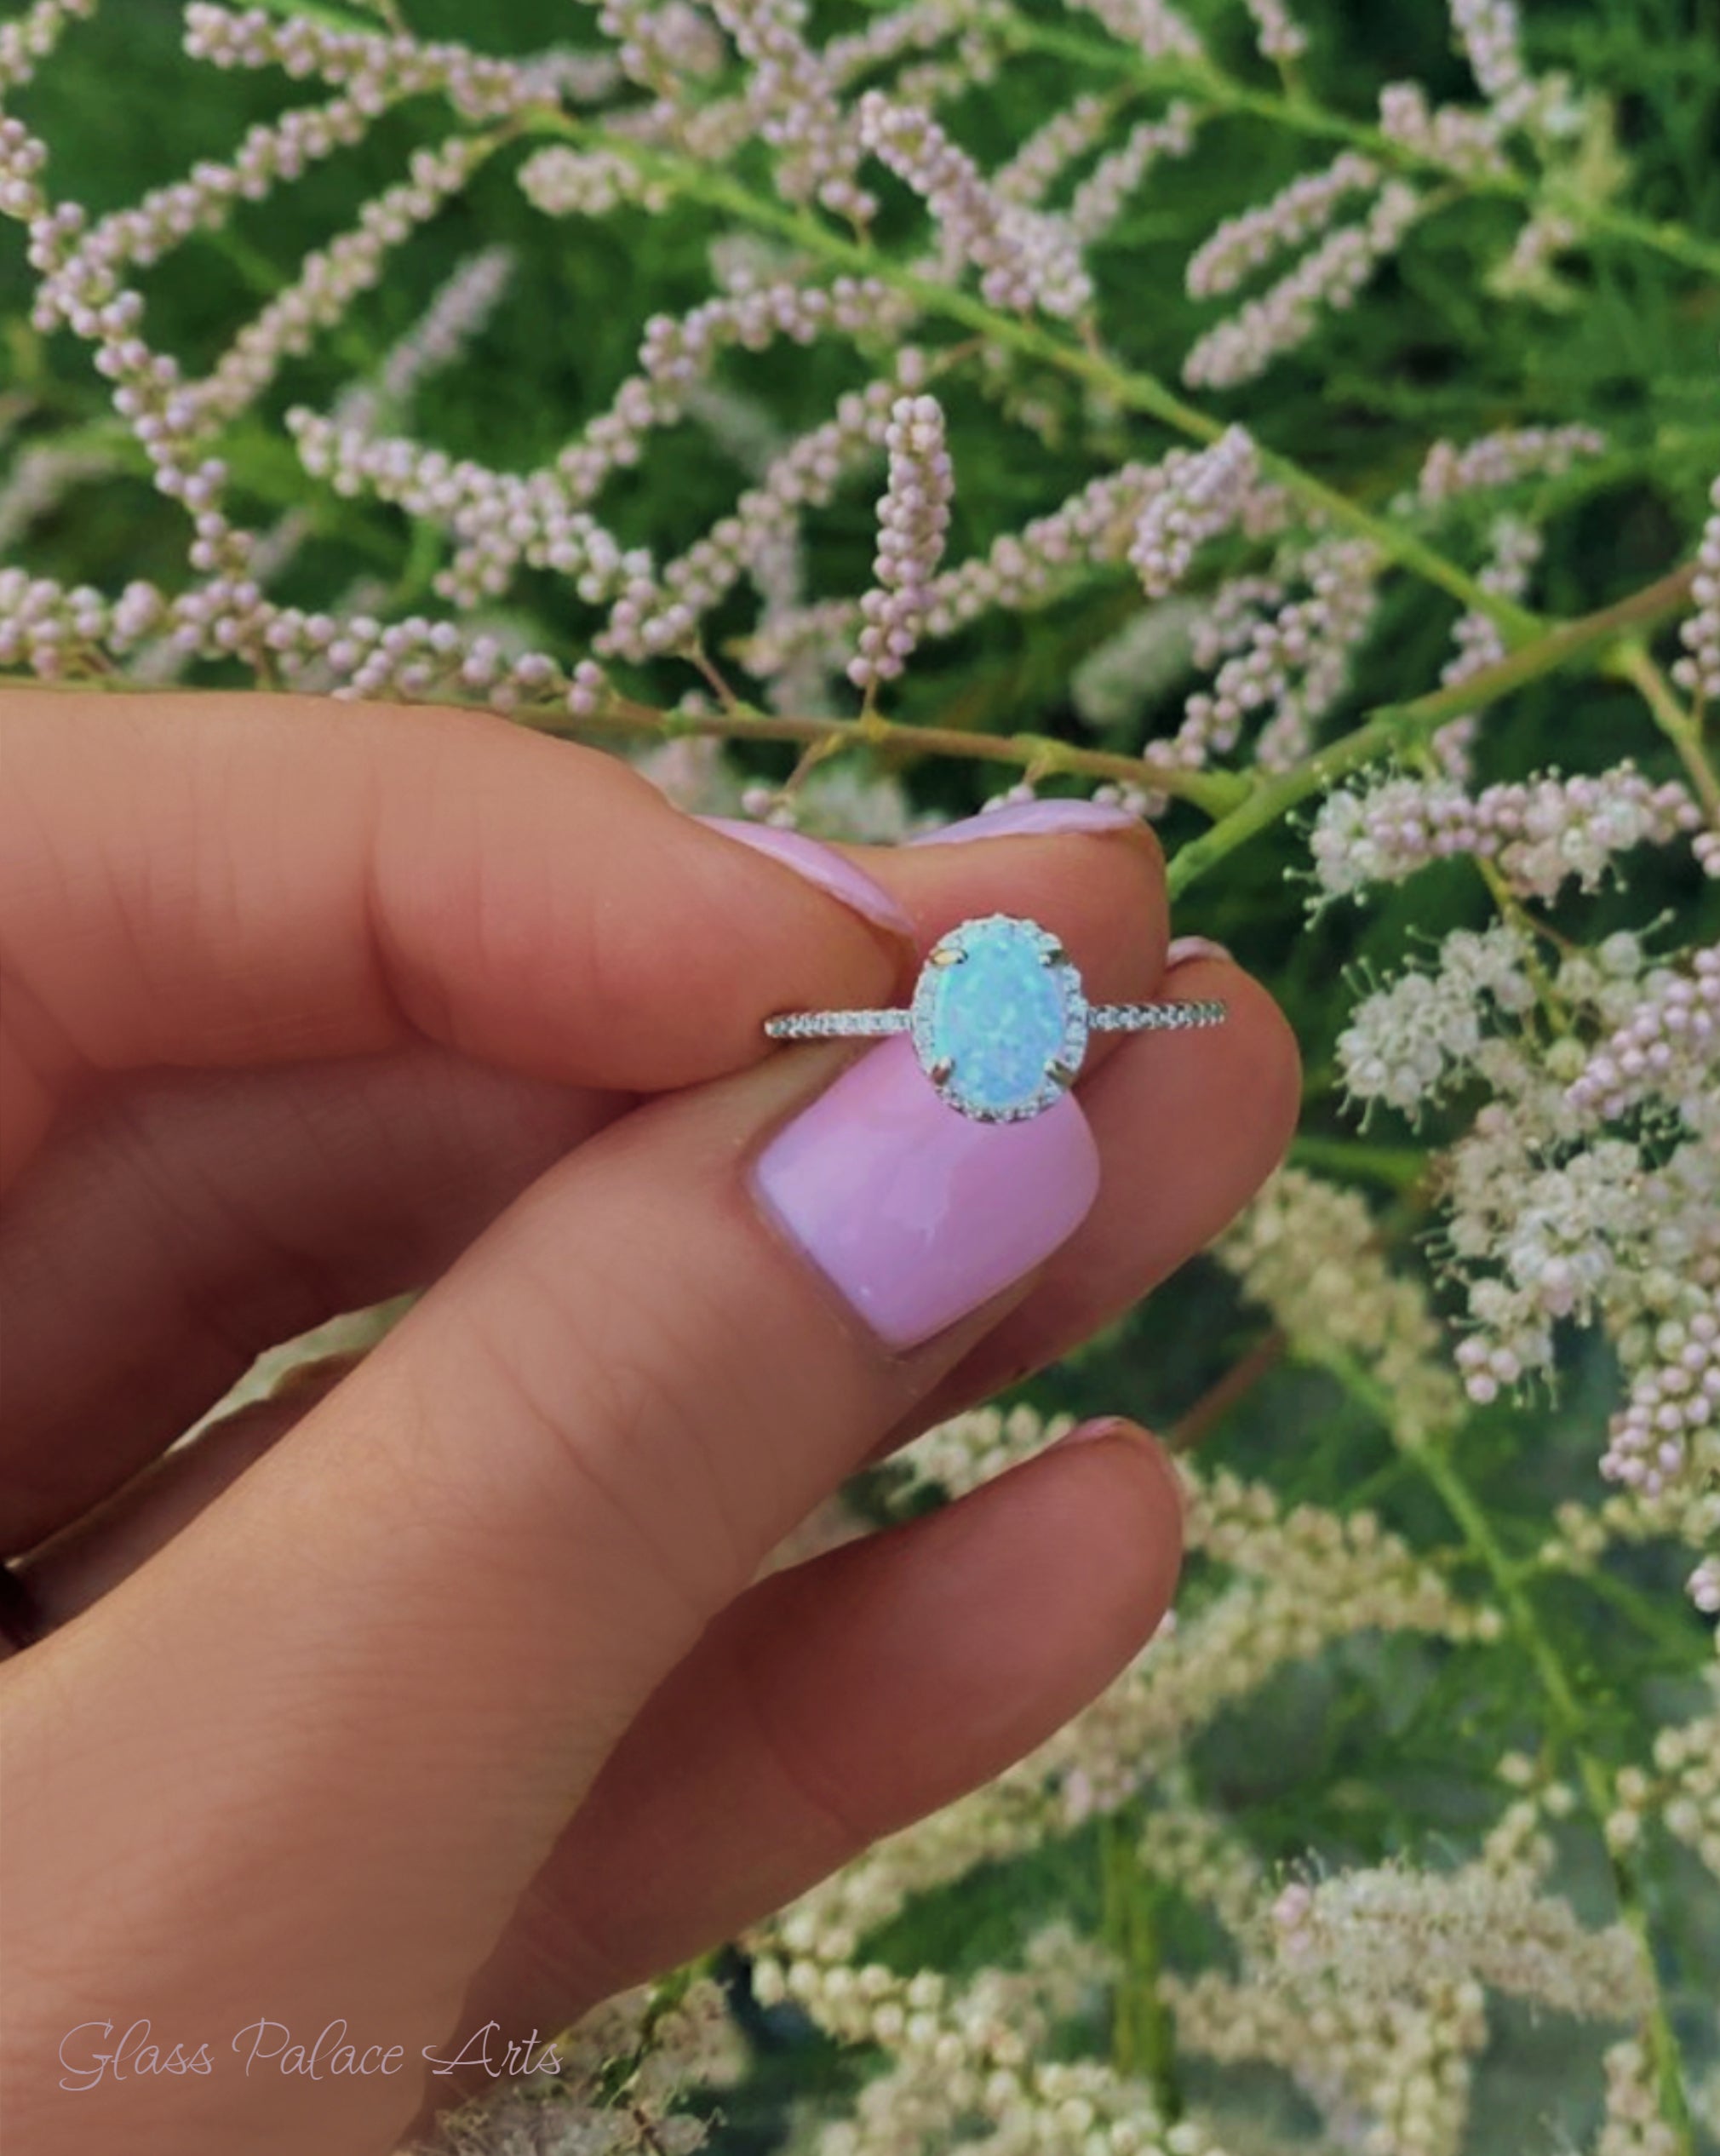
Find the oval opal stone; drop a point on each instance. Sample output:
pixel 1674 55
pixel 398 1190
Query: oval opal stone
pixel 998 1018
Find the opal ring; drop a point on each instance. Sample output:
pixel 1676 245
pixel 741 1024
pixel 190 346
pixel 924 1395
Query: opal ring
pixel 998 1020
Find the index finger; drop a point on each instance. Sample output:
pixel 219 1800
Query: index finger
pixel 230 880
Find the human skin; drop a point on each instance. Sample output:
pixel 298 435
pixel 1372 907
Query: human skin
pixel 444 1687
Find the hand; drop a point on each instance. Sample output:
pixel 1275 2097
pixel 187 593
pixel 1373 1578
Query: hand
pixel 445 1689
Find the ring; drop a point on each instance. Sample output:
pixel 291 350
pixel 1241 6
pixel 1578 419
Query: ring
pixel 998 1020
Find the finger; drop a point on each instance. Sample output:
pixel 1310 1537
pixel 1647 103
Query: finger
pixel 220 879
pixel 831 1704
pixel 1133 1240
pixel 837 1702
pixel 93 1553
pixel 1155 1207
pixel 1223 1107
pixel 175 1232
pixel 418 1625
pixel 194 1220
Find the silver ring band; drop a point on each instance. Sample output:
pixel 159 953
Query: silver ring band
pixel 998 1020
pixel 1102 1017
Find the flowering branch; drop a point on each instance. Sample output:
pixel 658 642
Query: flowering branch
pixel 1133 388
pixel 1202 79
pixel 1633 664
pixel 1435 1461
pixel 1394 730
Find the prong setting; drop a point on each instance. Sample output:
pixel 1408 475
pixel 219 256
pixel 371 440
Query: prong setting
pixel 998 1019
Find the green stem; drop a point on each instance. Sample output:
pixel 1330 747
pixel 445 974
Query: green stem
pixel 1300 114
pixel 1144 2043
pixel 1561 1695
pixel 1399 1168
pixel 1288 108
pixel 1133 388
pixel 1214 793
pixel 1433 1460
pixel 1643 1611
pixel 1243 811
pixel 1243 808
pixel 1398 727
pixel 1634 664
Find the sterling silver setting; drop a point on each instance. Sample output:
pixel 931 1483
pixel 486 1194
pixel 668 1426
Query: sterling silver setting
pixel 1055 1006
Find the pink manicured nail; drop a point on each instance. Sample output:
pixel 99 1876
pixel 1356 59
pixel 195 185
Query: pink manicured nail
pixel 915 1213
pixel 822 865
pixel 1183 948
pixel 1032 819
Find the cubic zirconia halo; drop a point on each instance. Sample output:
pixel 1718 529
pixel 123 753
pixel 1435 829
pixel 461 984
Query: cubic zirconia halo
pixel 998 1019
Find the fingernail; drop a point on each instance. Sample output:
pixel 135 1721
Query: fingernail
pixel 822 865
pixel 1098 1427
pixel 1183 948
pixel 1031 819
pixel 914 1211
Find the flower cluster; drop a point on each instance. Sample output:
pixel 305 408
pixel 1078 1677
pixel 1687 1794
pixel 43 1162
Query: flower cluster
pixel 1515 549
pixel 1492 462
pixel 1281 37
pixel 1541 834
pixel 1101 198
pixel 1298 212
pixel 1307 1251
pixel 1407 1042
pixel 1489 1923
pixel 565 182
pixel 913 517
pixel 978 2053
pixel 30 39
pixel 1202 496
pixel 1281 647
pixel 1151 28
pixel 1633 2124
pixel 1699 670
pixel 1330 277
pixel 374 65
pixel 760 531
pixel 1668 1047
pixel 1026 260
pixel 454 317
pixel 622 2079
pixel 1397 2071
pixel 333 277
pixel 1682 1790
pixel 1466 143
pixel 1490 33
pixel 1067 137
pixel 793 99
pixel 1668 1432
